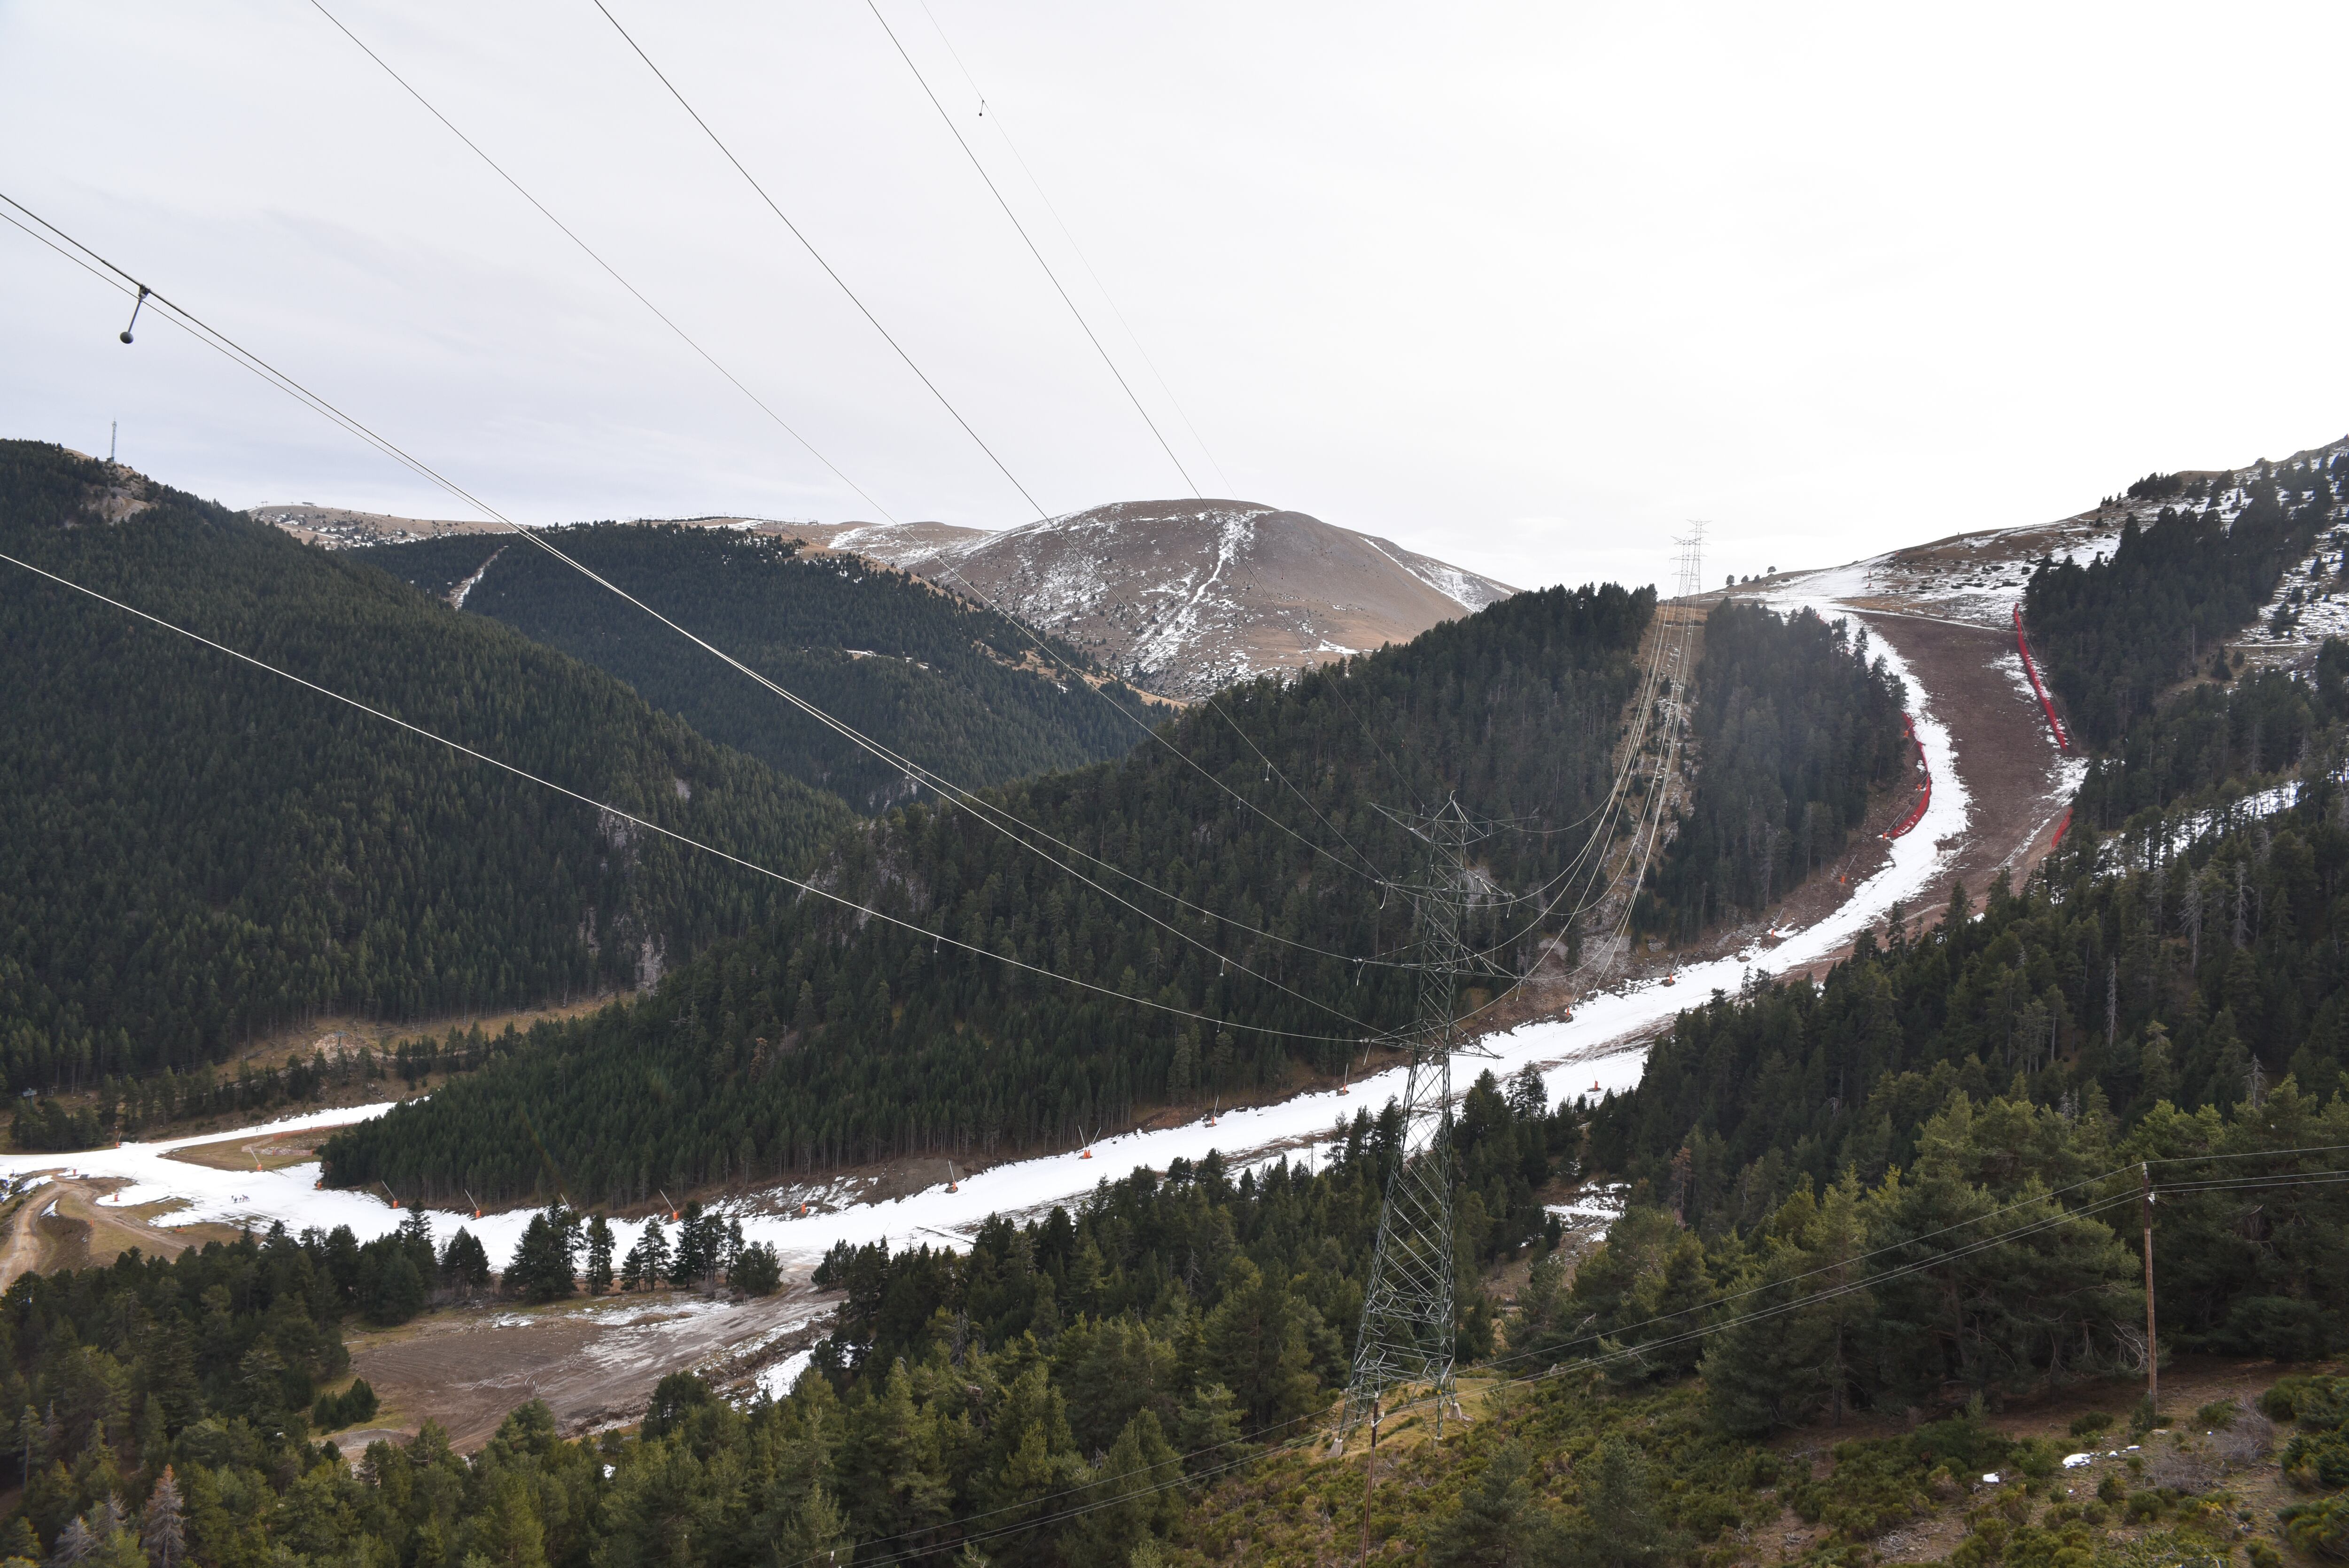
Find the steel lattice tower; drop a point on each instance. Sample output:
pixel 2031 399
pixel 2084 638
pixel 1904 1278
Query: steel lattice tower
pixel 1406 1334
pixel 1407 1326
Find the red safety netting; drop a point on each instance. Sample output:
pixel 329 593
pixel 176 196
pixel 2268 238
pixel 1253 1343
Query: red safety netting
pixel 2062 741
pixel 2058 838
pixel 1925 793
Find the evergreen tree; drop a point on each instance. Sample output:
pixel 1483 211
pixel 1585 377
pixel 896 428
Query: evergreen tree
pixel 1129 1499
pixel 1255 1343
pixel 541 1265
pixel 1500 1523
pixel 757 1270
pixel 599 1256
pixel 465 1262
pixel 1620 1529
pixel 164 1532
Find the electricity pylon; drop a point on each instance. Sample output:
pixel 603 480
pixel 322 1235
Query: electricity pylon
pixel 1406 1334
pixel 1407 1326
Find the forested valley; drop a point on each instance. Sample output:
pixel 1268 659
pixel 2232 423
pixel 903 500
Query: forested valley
pixel 1905 1195
pixel 199 850
pixel 954 687
pixel 833 1039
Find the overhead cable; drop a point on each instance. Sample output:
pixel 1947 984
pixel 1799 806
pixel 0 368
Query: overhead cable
pixel 985 811
pixel 594 255
pixel 812 889
pixel 945 563
pixel 499 170
pixel 1021 230
pixel 995 119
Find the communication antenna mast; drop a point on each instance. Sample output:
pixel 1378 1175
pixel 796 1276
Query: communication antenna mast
pixel 1406 1334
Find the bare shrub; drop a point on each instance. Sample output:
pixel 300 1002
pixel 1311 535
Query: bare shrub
pixel 2187 1465
pixel 2248 1440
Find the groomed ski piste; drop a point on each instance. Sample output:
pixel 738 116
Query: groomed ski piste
pixel 1600 1050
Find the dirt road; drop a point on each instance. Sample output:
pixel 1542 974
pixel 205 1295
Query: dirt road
pixel 23 1253
pixel 61 1225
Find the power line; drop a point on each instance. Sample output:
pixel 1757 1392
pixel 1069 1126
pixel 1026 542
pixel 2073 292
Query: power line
pixel 1061 223
pixel 685 839
pixel 1022 229
pixel 935 391
pixel 809 245
pixel 741 386
pixel 593 255
pixel 987 812
pixel 2032 1227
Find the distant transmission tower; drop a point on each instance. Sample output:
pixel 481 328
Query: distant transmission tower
pixel 1407 1309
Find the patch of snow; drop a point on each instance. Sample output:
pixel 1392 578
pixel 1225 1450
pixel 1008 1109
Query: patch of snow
pixel 1602 1204
pixel 777 1380
pixel 2074 1461
pixel 457 594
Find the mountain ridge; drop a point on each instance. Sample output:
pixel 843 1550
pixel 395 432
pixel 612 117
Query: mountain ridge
pixel 1181 597
pixel 1187 597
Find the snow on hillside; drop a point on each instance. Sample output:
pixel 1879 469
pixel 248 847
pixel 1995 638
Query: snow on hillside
pixel 1186 596
pixel 1182 596
pixel 1600 1049
pixel 1978 577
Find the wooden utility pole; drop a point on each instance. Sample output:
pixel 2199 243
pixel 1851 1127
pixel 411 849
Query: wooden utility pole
pixel 2152 1346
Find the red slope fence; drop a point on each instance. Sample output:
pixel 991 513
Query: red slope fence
pixel 1924 793
pixel 2022 646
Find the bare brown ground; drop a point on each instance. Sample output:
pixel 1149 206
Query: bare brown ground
pixel 60 1225
pixel 258 1153
pixel 2004 752
pixel 594 1363
pixel 336 1036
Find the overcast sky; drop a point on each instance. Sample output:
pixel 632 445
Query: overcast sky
pixel 1524 287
